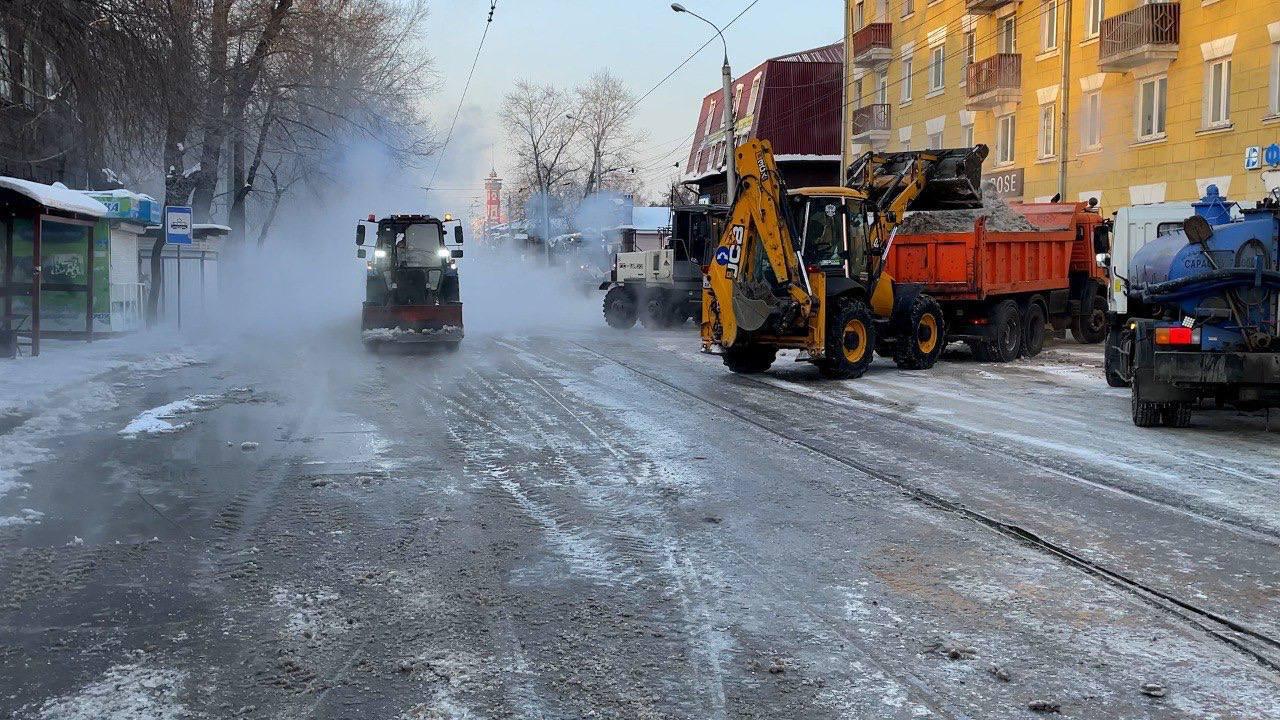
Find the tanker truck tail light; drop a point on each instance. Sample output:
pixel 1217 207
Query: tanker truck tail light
pixel 1177 336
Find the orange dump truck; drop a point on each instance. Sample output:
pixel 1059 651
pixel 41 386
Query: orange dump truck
pixel 1000 291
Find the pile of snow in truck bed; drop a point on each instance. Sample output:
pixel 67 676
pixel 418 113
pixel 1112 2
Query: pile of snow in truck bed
pixel 1000 217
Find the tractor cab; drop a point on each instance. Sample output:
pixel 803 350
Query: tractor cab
pixel 831 229
pixel 411 282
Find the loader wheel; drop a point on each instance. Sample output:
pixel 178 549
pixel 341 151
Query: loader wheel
pixel 1004 334
pixel 923 336
pixel 1034 325
pixel 1090 326
pixel 851 341
pixel 1145 413
pixel 620 309
pixel 749 359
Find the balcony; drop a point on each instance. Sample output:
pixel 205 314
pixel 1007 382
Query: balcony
pixel 871 124
pixel 1145 34
pixel 872 45
pixel 994 81
pixel 986 7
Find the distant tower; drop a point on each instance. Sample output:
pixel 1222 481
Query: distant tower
pixel 493 199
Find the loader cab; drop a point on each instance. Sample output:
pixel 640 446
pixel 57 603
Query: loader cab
pixel 832 229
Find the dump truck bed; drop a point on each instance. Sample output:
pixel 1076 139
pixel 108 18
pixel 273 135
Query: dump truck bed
pixel 983 263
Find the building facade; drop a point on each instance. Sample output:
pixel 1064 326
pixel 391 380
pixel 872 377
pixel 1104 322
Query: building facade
pixel 1126 101
pixel 787 100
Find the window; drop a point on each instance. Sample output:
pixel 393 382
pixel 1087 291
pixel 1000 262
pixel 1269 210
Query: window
pixel 737 100
pixel 970 48
pixel 968 136
pixel 1091 128
pixel 857 93
pixel 1151 107
pixel 882 88
pixel 1009 35
pixel 711 118
pixel 1049 25
pixel 1093 12
pixel 859 17
pixel 937 67
pixel 906 79
pixel 755 95
pixel 1217 93
pixel 1045 147
pixel 908 7
pixel 935 141
pixel 1005 127
pixel 882 10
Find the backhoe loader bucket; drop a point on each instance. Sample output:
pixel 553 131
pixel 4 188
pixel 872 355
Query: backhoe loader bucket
pixel 954 177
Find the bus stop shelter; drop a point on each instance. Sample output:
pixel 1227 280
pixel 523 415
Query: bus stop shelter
pixel 29 212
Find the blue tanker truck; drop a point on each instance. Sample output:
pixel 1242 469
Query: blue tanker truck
pixel 1203 315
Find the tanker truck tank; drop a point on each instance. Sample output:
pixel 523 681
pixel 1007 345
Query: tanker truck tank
pixel 1204 314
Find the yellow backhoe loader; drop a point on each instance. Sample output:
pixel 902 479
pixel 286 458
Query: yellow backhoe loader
pixel 805 269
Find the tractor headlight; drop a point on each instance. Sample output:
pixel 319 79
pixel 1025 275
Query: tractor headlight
pixel 443 252
pixel 379 253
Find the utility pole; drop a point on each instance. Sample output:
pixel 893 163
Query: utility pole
pixel 726 74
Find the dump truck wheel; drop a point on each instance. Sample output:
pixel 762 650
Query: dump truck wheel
pixel 1145 413
pixel 1090 326
pixel 677 312
pixel 1115 375
pixel 749 359
pixel 1004 333
pixel 851 341
pixel 923 336
pixel 1034 329
pixel 620 309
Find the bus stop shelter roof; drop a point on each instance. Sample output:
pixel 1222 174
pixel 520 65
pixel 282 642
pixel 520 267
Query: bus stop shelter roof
pixel 55 197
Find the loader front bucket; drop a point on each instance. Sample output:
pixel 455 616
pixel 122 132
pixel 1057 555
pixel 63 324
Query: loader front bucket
pixel 953 177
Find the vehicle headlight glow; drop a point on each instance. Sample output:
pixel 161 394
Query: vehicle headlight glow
pixel 443 252
pixel 379 253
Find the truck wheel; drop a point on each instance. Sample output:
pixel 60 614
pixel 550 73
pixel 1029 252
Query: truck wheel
pixel 620 309
pixel 1090 326
pixel 1111 358
pixel 749 359
pixel 677 312
pixel 1004 333
pixel 851 341
pixel 924 336
pixel 1177 415
pixel 1034 327
pixel 656 313
pixel 1145 413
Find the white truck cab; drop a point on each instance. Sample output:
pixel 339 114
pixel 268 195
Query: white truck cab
pixel 1135 226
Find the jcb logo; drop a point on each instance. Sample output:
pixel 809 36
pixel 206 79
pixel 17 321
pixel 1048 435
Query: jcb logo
pixel 731 256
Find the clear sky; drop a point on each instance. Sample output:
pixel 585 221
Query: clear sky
pixel 565 41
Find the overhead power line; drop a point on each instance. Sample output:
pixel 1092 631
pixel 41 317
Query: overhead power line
pixel 493 5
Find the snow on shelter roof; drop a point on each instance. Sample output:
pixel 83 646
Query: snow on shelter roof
pixel 56 196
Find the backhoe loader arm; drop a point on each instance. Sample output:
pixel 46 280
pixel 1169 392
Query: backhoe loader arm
pixel 916 180
pixel 756 271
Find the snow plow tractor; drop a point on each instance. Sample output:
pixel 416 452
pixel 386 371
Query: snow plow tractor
pixel 806 269
pixel 411 286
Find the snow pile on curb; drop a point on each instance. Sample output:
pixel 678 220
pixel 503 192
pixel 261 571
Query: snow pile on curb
pixel 156 420
pixel 124 692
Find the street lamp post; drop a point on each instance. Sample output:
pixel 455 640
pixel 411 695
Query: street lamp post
pixel 730 171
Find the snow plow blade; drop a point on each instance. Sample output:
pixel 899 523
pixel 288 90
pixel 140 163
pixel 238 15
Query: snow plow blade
pixel 412 323
pixel 954 177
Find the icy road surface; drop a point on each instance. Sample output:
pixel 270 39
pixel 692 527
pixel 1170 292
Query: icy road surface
pixel 611 525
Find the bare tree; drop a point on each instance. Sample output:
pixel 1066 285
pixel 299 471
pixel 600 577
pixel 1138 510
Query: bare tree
pixel 538 123
pixel 604 108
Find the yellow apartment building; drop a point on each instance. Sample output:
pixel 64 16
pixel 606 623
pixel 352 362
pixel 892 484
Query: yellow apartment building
pixel 1128 101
